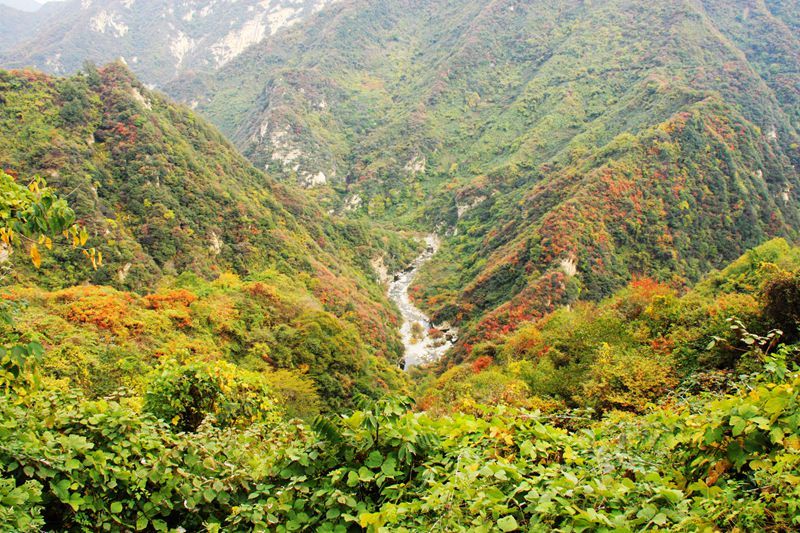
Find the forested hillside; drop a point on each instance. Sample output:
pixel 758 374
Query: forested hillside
pixel 14 26
pixel 566 147
pixel 167 202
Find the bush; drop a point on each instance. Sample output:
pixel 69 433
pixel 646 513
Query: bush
pixel 186 394
pixel 626 379
pixel 781 295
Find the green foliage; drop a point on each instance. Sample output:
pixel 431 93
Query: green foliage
pixel 19 505
pixel 626 380
pixel 636 346
pixel 782 303
pixel 30 216
pixel 185 394
pixel 722 463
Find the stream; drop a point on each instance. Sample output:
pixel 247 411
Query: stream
pixel 420 345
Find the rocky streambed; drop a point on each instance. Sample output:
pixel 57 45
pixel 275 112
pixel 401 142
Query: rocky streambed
pixel 424 342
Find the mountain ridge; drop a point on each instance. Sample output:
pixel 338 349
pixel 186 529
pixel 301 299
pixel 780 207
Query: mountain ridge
pixel 160 41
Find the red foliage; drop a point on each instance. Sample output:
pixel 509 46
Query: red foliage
pixel 177 302
pixel 481 363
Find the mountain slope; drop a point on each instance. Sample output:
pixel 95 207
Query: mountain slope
pixel 163 195
pixel 483 81
pixel 159 40
pixel 22 5
pixel 568 146
pixel 15 26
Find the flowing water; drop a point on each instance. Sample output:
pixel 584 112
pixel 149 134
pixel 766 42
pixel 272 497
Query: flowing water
pixel 421 346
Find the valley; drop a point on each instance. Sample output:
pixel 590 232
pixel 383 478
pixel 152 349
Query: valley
pixel 228 301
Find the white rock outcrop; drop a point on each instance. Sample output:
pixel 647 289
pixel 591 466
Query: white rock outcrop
pixel 235 42
pixel 417 165
pixel 570 266
pixel 465 205
pixel 307 179
pixel 105 21
pixel 180 46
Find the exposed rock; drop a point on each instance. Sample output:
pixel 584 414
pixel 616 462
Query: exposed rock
pixel 180 46
pixel 380 269
pixel 465 205
pixel 5 252
pixel 140 98
pixel 353 202
pixel 215 243
pixel 54 63
pixel 772 134
pixel 417 165
pixel 570 266
pixel 262 131
pixel 282 150
pixel 235 42
pixel 107 21
pixel 122 273
pixel 282 17
pixel 308 179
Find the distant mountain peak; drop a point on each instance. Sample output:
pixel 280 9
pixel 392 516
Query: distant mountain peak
pixel 161 40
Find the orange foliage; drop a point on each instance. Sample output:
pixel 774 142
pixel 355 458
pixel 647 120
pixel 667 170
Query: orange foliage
pixel 105 308
pixel 641 293
pixel 177 304
pixel 262 290
pixel 170 300
pixel 662 345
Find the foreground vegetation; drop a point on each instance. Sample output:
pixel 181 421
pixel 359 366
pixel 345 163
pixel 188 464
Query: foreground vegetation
pixel 695 463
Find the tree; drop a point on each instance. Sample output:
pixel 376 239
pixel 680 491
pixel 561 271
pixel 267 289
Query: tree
pixel 30 216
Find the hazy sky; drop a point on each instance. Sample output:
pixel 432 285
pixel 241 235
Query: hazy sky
pixel 26 5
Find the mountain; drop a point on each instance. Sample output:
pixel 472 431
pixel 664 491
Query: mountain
pixel 15 26
pixel 159 40
pixel 567 147
pixel 170 203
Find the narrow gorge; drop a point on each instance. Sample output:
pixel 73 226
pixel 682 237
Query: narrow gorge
pixel 423 341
